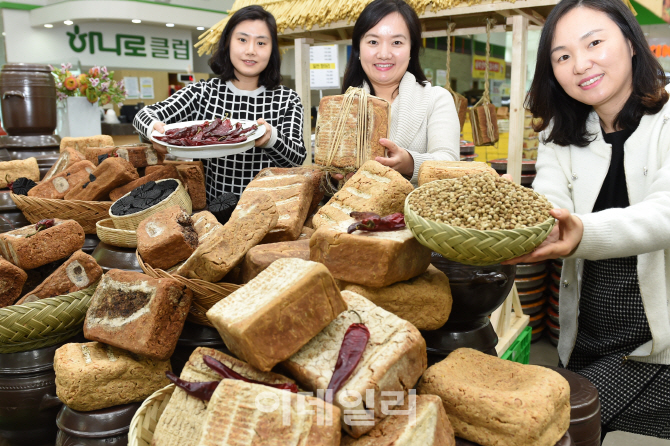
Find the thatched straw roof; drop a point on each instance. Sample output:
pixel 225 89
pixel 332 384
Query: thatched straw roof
pixel 305 14
pixel 292 14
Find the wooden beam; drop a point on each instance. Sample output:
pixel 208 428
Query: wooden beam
pixel 517 95
pixel 533 16
pixel 323 37
pixel 486 7
pixel 302 87
pixel 343 34
pixel 466 31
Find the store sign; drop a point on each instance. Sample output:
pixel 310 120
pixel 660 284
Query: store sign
pixel 131 45
pixel 323 71
pixel 110 44
pixel 496 67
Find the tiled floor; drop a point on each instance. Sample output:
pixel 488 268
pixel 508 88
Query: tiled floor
pixel 543 352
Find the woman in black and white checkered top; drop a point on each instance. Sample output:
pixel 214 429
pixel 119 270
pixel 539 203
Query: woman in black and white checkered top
pixel 247 62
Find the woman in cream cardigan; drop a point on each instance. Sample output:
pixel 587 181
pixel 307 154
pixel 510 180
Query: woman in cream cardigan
pixel 385 60
pixel 604 162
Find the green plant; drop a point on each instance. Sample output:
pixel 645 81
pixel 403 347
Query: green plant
pixel 96 85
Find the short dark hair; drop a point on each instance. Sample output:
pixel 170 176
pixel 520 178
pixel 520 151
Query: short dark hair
pixel 371 15
pixel 547 100
pixel 220 62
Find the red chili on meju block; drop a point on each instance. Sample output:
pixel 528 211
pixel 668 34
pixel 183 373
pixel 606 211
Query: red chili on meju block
pixel 351 351
pixel 208 133
pixel 369 221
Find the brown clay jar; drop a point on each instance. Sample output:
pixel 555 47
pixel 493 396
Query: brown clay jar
pixel 28 97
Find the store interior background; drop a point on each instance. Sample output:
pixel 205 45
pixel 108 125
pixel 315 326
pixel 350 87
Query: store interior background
pixel 189 15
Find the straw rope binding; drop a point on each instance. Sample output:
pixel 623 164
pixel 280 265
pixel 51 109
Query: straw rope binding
pixel 205 294
pixel 43 323
pixel 145 420
pixel 363 135
pixel 86 213
pixel 472 246
pixel 122 238
pixel 460 101
pixel 484 104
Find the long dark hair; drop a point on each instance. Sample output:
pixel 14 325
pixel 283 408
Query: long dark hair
pixel 547 99
pixel 371 15
pixel 220 62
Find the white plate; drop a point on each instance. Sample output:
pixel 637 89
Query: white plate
pixel 214 150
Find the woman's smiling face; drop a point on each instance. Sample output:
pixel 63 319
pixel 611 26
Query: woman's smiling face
pixel 250 48
pixel 385 50
pixel 592 60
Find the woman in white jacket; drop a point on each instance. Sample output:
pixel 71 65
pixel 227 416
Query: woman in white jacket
pixel 604 163
pixel 385 47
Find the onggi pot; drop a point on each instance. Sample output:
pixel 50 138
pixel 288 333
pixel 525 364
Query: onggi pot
pixel 28 401
pixel 476 291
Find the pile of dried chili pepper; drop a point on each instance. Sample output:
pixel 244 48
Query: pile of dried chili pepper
pixel 208 133
pixel 351 351
pixel 369 221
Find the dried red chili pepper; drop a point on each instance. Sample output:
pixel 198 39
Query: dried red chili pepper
pixel 228 373
pixel 202 390
pixel 353 344
pixel 368 221
pixel 42 225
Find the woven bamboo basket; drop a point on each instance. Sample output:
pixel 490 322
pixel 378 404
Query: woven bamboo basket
pixel 86 213
pixel 43 323
pixel 177 198
pixel 143 424
pixel 472 246
pixel 205 294
pixel 122 238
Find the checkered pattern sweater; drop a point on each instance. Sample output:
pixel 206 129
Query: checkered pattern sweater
pixel 281 108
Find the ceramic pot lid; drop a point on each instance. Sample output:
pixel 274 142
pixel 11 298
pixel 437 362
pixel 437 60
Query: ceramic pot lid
pixel 584 400
pixel 33 141
pixel 531 295
pixel 529 283
pixel 101 423
pixel 113 257
pixel 194 335
pixel 565 441
pixel 32 361
pixel 529 269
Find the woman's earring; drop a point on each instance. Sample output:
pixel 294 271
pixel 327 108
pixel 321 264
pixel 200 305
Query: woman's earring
pixel 359 57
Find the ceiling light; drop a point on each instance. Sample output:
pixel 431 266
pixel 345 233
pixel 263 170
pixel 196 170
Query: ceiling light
pixel 200 28
pixel 48 25
pixel 3 34
pixel 136 21
pixel 68 22
pixel 170 25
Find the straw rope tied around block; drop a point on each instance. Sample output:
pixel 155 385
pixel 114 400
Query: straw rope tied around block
pixel 483 114
pixel 460 101
pixel 363 148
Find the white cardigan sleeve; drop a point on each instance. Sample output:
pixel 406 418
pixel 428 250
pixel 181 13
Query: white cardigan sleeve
pixel 550 179
pixel 444 132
